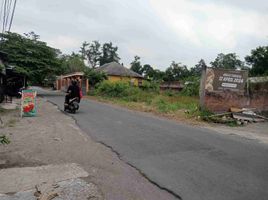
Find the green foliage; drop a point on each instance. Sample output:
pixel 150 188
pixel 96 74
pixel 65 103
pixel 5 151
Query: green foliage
pixel 163 103
pixel 136 65
pixel 110 89
pixel 94 77
pixel 4 140
pixel 151 86
pixel 72 63
pixel 91 52
pixel 175 72
pixel 21 70
pixel 197 69
pixel 97 54
pixel 259 61
pixel 167 105
pixel 191 87
pixel 1 67
pixel 123 91
pixel 170 93
pixel 30 56
pixel 2 110
pixel 108 54
pixel 148 71
pixel 205 114
pixel 227 61
pixel 157 75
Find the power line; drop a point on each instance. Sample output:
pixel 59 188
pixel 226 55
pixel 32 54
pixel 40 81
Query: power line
pixel 13 11
pixel 4 17
pixel 1 11
pixel 9 2
pixel 7 12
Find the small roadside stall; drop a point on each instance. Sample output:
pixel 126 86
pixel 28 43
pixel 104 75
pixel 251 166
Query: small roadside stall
pixel 64 81
pixel 14 82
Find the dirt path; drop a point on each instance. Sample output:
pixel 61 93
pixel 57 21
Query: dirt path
pixel 54 138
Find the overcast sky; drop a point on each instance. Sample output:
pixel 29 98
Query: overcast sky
pixel 159 31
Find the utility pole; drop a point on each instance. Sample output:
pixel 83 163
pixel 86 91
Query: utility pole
pixel 202 92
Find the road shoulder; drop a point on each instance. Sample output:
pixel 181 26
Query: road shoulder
pixel 53 138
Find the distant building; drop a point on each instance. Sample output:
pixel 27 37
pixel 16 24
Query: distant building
pixel 117 72
pixel 173 85
pixel 64 81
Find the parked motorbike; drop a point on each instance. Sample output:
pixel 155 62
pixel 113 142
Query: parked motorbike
pixel 72 106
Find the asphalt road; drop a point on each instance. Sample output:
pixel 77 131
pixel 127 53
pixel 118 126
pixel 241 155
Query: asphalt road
pixel 194 163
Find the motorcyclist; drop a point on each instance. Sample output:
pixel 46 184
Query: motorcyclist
pixel 72 92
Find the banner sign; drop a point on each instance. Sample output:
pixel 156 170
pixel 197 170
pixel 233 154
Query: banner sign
pixel 223 79
pixel 28 103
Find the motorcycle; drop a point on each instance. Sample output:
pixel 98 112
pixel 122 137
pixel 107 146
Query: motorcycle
pixel 72 106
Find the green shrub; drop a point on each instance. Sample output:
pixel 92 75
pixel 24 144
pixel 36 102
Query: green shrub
pixel 1 67
pixel 150 86
pixel 192 88
pixel 116 89
pixel 124 91
pixel 4 139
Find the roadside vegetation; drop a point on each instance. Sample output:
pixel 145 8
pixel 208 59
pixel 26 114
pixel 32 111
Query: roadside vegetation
pixel 149 98
pixel 31 56
pixel 4 139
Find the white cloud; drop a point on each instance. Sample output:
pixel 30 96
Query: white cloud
pixel 64 42
pixel 207 24
pixel 158 31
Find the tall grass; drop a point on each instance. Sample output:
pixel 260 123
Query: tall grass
pixel 164 102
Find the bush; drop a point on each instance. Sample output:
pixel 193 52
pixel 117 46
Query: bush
pixel 192 88
pixel 124 91
pixel 150 86
pixel 116 89
pixel 1 67
pixel 94 77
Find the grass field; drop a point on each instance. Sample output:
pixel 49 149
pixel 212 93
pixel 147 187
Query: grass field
pixel 168 103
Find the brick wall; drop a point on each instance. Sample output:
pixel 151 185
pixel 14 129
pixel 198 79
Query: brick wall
pixel 222 101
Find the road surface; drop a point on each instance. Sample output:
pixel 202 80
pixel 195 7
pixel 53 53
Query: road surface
pixel 193 163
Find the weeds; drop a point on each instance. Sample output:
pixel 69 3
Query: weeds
pixel 146 98
pixel 4 140
pixel 2 110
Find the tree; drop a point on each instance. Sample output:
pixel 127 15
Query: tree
pixel 227 61
pixel 2 66
pixel 108 54
pixel 197 69
pixel 158 75
pixel 30 55
pixel 136 65
pixel 32 36
pixel 91 52
pixel 259 61
pixel 176 72
pixel 94 77
pixel 72 63
pixel 147 71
